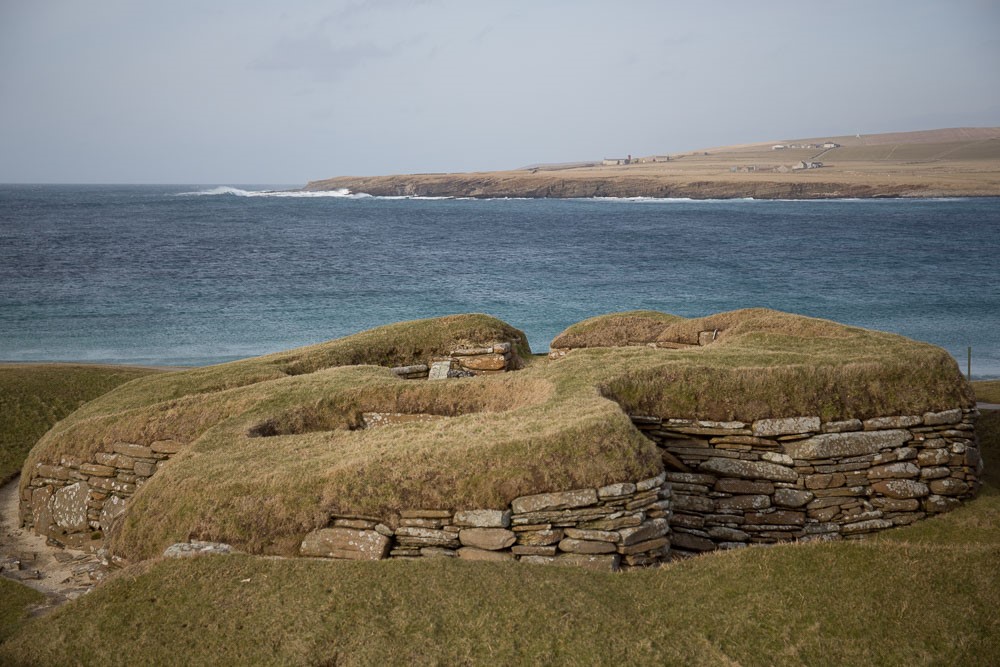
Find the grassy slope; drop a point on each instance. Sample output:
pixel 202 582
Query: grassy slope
pixel 33 397
pixel 987 391
pixel 925 594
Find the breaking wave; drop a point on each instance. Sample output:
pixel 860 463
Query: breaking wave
pixel 342 193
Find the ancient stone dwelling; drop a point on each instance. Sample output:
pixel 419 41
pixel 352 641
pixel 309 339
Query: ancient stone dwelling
pixel 686 483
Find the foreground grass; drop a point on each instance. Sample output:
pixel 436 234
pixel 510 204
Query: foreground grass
pixel 13 610
pixel 926 594
pixel 33 397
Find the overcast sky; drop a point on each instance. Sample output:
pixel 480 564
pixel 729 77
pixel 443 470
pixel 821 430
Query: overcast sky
pixel 243 92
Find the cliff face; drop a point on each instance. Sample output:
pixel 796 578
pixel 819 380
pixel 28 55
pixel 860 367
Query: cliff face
pixel 526 184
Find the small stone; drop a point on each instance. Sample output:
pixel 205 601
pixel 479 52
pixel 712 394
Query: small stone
pixel 544 502
pixel 165 447
pixel 894 505
pixel 867 526
pixel 936 504
pixel 744 486
pixel 721 533
pixel 650 530
pixel 776 518
pixel 594 535
pixel 786 426
pixel 97 470
pixel 693 503
pixel 934 472
pixel 642 547
pixel 691 542
pixel 933 457
pixel 825 480
pixel 135 451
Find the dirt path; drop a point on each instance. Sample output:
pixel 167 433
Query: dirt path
pixel 61 574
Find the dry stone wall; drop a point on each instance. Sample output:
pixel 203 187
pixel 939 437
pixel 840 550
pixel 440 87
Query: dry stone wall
pixel 497 357
pixel 77 502
pixel 609 528
pixel 799 478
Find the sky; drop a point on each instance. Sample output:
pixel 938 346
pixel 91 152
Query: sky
pixel 253 92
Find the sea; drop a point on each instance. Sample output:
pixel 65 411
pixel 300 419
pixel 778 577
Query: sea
pixel 180 275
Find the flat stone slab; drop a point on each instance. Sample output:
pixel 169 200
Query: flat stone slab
pixel 785 426
pixel 545 502
pixel 749 469
pixel 839 445
pixel 345 543
pixel 197 548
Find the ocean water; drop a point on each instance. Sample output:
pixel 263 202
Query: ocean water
pixel 191 275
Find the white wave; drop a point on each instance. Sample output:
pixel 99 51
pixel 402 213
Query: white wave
pixel 237 192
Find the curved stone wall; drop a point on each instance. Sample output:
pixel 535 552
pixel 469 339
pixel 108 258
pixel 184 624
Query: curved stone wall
pixel 799 478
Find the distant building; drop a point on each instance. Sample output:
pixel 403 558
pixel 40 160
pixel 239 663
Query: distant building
pixel 778 147
pixel 807 165
pixel 830 144
pixel 613 161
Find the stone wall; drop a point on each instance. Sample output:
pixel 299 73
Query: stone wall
pixel 497 357
pixel 799 478
pixel 76 502
pixel 608 528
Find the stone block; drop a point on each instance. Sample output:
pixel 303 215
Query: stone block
pixel 482 518
pixel 894 422
pixel 933 457
pixel 776 518
pixel 429 537
pixel 135 451
pixel 901 489
pixel 540 537
pixel 197 548
pixel 776 457
pixel 894 505
pixel 785 426
pixel 944 417
pixel 345 543
pixel 525 550
pixel 624 521
pixel 647 531
pixel 867 526
pixel 97 470
pixel 144 469
pixel 749 469
pixel 689 542
pixel 687 503
pixel 489 539
pixel 575 546
pixel 899 470
pixel 651 483
pixel 545 502
pixel 936 504
pixel 69 507
pixel 744 486
pixel 472 553
pixel 112 508
pixel 942 487
pixel 792 497
pixel 839 445
pixel 843 426
pixel 165 447
pixel 934 472
pixel 743 503
pixel 439 370
pixel 484 362
pixel 595 535
pixel 724 534
pixel 642 547
pixel 52 472
pixel 616 490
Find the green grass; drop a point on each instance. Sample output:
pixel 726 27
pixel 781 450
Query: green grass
pixel 33 397
pixel 16 599
pixel 922 595
pixel 987 391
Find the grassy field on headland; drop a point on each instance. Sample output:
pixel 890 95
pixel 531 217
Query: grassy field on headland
pixel 925 594
pixel 956 162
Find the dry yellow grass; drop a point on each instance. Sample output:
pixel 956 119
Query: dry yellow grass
pixel 268 456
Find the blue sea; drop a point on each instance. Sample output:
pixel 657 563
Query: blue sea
pixel 193 275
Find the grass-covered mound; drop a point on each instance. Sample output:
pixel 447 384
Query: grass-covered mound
pixel 271 447
pixel 635 327
pixel 760 363
pixel 33 397
pixel 925 594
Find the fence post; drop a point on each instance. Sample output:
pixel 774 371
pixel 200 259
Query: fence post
pixel 968 368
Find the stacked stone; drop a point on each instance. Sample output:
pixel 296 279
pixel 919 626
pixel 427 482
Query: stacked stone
pixel 414 372
pixel 799 478
pixel 76 502
pixel 608 528
pixel 496 357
